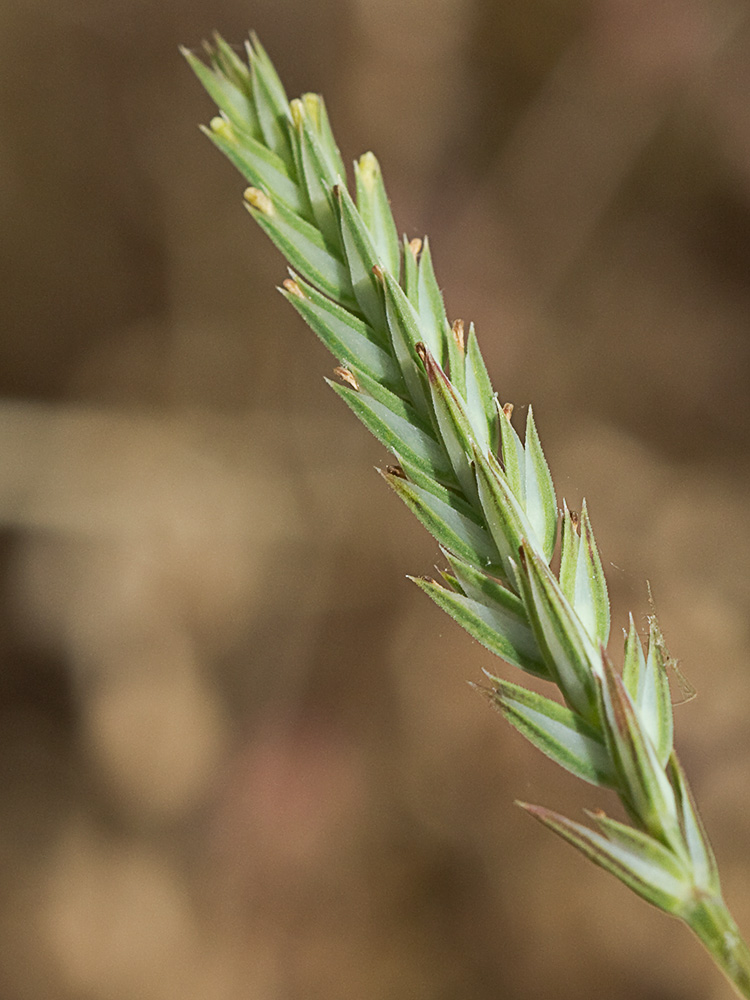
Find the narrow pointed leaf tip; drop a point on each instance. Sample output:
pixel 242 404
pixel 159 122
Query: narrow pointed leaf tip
pixel 555 730
pixel 527 475
pixel 647 683
pixel 650 793
pixel 224 93
pixel 373 205
pixel 502 512
pixel 705 871
pixel 502 627
pixel 582 576
pixel 362 259
pixel 452 529
pixel 432 314
pixel 541 505
pixel 481 404
pixel 258 165
pixel 642 863
pixel 346 337
pixel 567 650
pixel 455 426
pixel 302 245
pixel 319 176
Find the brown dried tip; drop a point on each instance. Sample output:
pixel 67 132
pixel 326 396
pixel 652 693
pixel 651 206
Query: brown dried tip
pixel 415 246
pixel 346 376
pixel 487 692
pixel 575 520
pixel 395 470
pixel 422 352
pixel 508 411
pixel 377 270
pixel 293 288
pixel 458 333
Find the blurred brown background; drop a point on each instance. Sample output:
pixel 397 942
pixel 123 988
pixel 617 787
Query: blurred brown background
pixel 238 755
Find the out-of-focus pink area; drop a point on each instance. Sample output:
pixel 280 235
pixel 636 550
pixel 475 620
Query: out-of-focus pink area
pixel 239 757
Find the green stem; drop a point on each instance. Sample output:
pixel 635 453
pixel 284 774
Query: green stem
pixel 712 922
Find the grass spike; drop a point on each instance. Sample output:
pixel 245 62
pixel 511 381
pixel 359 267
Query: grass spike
pixel 421 386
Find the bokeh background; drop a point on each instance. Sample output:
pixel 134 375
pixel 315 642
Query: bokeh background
pixel 238 754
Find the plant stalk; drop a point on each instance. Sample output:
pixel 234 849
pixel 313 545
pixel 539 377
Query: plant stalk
pixel 711 921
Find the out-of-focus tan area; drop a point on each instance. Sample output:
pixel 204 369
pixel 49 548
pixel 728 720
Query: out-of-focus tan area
pixel 238 754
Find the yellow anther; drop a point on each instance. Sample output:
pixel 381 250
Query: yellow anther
pixel 259 200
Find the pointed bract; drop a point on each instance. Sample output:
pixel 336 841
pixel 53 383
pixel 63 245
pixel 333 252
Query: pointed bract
pixel 259 60
pixel 362 260
pixel 540 503
pixel 456 430
pixel 650 793
pixel 271 104
pixel 514 456
pixel 569 553
pixel 704 870
pixel 591 601
pixel 648 686
pixel 375 209
pixel 505 519
pixel 641 862
pixel 503 631
pixel 258 165
pixel 319 179
pixel 348 338
pixel 406 334
pixel 301 244
pixel 394 424
pixel 225 94
pixel 484 586
pixel 481 405
pixel 317 115
pixel 433 320
pixel 226 61
pixel 566 648
pixel 453 530
pixel 656 698
pixel 410 250
pixel 557 731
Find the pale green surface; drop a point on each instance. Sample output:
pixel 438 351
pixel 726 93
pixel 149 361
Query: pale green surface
pixel 497 514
